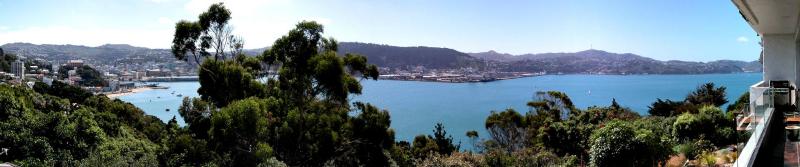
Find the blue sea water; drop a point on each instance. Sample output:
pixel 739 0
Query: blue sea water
pixel 415 107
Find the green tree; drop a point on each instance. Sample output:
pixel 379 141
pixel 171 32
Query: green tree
pixel 237 81
pixel 423 145
pixel 196 113
pixel 89 76
pixel 241 130
pixel 370 137
pixel 622 144
pixel 473 137
pixel 507 129
pixel 402 155
pixel 738 106
pixel 552 105
pixel 310 66
pixel 664 108
pixel 709 124
pixel 707 94
pixel 444 141
pixel 5 61
pixel 211 31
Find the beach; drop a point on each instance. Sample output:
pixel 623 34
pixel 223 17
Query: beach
pixel 114 95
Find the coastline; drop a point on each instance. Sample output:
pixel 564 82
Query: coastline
pixel 538 75
pixel 114 95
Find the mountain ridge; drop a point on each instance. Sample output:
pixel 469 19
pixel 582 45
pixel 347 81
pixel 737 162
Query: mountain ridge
pixel 396 57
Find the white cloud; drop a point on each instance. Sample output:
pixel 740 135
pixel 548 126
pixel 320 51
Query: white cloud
pixel 742 39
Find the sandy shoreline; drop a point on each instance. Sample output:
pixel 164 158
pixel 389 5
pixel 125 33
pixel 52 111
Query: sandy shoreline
pixel 130 91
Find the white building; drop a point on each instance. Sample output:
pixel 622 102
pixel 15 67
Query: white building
pixel 18 69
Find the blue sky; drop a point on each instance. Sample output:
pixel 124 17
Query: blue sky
pixel 661 29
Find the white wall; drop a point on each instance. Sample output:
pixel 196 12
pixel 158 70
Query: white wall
pixel 780 58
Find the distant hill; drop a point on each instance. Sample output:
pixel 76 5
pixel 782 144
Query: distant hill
pixel 598 61
pixel 398 57
pixel 103 53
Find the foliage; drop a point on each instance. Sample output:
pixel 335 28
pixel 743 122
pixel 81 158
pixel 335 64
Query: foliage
pixel 444 141
pixel 506 129
pixel 528 157
pixel 707 94
pixel 473 137
pixel 89 76
pixel 551 105
pixel 59 89
pixel 622 144
pixel 665 108
pixel 237 81
pixel 46 130
pixel 709 124
pixel 401 154
pixel 454 160
pixel 6 60
pixel 423 145
pixel 737 107
pixel 211 31
pixel 241 129
pixel 310 66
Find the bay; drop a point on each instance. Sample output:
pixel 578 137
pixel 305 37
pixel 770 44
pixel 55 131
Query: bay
pixel 415 107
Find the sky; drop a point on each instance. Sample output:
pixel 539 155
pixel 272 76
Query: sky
pixel 661 29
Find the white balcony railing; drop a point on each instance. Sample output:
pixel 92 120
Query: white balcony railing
pixel 756 120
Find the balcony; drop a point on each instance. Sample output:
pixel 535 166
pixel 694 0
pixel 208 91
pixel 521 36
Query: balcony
pixel 769 143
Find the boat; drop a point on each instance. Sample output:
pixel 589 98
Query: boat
pixel 180 95
pixel 167 110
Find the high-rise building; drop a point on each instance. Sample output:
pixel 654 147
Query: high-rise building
pixel 18 69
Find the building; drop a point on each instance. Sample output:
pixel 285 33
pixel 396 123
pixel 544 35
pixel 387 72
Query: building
pixel 75 63
pixel 18 69
pixel 771 119
pixel 157 73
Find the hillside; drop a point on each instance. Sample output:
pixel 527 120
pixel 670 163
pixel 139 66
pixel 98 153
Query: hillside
pixel 602 62
pixel 103 53
pixel 399 57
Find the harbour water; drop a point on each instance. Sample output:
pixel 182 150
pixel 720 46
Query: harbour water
pixel 415 107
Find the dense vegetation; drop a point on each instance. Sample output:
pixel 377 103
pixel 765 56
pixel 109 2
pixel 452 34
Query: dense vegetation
pixel 65 126
pixel 89 76
pixel 6 60
pixel 303 116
